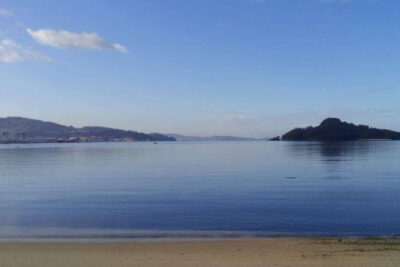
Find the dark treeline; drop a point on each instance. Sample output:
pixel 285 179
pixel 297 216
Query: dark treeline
pixel 333 129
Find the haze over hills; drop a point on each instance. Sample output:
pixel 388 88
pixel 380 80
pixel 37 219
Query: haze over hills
pixel 23 130
pixel 179 137
pixel 333 129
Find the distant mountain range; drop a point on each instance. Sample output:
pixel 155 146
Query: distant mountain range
pixel 179 137
pixel 23 130
pixel 333 129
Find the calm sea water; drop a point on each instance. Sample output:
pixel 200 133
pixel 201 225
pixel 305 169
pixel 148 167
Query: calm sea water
pixel 200 189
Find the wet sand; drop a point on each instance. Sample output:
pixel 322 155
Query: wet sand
pixel 241 252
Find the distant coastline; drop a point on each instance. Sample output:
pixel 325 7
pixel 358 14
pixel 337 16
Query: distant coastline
pixel 18 130
pixel 23 130
pixel 185 138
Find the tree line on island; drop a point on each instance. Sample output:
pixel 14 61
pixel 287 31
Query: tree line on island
pixel 333 129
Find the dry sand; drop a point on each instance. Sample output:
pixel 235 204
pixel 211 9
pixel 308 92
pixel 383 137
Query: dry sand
pixel 243 252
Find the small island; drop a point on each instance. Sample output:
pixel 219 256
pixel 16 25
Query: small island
pixel 333 129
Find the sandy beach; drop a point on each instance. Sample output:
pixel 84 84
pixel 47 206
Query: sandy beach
pixel 242 252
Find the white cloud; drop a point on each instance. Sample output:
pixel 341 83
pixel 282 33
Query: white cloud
pixel 5 12
pixel 70 40
pixel 10 52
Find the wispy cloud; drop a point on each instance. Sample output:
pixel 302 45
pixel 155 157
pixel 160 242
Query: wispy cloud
pixel 71 40
pixel 5 12
pixel 370 91
pixel 344 1
pixel 335 1
pixel 10 52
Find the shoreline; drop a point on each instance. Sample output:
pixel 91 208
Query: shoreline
pixel 176 141
pixel 153 236
pixel 236 252
pixel 96 235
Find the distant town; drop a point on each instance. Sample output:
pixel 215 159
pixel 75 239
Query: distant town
pixel 23 130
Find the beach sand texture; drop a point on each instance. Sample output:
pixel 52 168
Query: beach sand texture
pixel 243 252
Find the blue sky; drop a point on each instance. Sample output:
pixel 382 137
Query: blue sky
pixel 201 67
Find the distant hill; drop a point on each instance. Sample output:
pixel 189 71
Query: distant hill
pixel 23 130
pixel 333 129
pixel 179 137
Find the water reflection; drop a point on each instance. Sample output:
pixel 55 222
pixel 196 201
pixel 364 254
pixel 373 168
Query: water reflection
pixel 299 188
pixel 339 151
